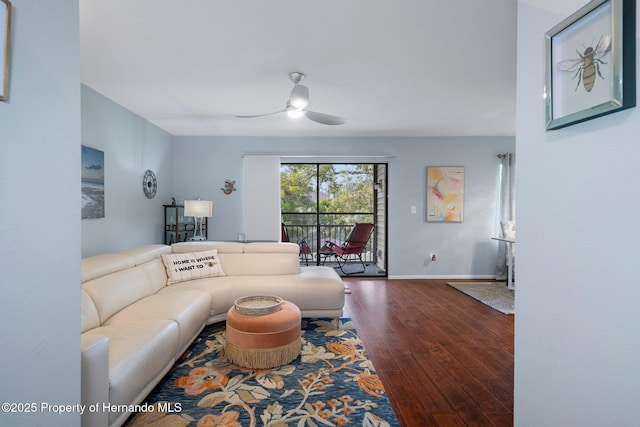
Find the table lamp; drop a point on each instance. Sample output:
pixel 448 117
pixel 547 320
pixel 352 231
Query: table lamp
pixel 198 209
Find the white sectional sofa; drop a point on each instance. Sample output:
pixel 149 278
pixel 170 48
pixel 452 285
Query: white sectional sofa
pixel 135 322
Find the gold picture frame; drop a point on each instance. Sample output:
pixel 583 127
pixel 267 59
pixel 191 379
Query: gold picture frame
pixel 590 63
pixel 5 32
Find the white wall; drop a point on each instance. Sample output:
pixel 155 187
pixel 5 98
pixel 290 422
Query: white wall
pixel 578 284
pixel 201 164
pixel 40 214
pixel 131 145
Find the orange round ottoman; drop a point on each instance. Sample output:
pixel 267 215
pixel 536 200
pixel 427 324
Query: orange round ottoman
pixel 264 341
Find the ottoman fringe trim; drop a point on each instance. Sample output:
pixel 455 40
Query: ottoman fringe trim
pixel 263 358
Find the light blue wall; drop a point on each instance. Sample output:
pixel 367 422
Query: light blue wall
pixel 196 167
pixel 131 145
pixel 463 249
pixel 577 342
pixel 40 214
pixel 201 164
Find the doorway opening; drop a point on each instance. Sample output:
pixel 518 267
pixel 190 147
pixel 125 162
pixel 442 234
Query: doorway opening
pixel 322 202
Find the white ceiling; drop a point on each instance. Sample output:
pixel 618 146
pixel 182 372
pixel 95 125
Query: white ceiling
pixel 391 68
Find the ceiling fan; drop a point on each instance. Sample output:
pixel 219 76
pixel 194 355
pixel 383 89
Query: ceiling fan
pixel 297 105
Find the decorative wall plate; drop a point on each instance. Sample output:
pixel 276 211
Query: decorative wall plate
pixel 229 186
pixel 149 184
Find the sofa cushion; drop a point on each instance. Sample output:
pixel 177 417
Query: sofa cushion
pixel 189 309
pixel 267 264
pixel 271 248
pixel 199 246
pixel 115 291
pixel 140 353
pixel 156 274
pixel 192 265
pixel 284 286
pixel 218 287
pixel 101 265
pixel 89 318
pixel 146 253
pixel 313 278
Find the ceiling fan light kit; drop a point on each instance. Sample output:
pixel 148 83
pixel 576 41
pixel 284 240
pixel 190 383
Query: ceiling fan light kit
pixel 296 77
pixel 295 113
pixel 297 104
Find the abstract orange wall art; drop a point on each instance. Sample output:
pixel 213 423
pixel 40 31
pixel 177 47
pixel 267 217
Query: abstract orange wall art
pixel 445 194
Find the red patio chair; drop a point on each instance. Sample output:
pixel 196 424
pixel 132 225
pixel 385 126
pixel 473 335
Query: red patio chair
pixel 304 252
pixel 352 247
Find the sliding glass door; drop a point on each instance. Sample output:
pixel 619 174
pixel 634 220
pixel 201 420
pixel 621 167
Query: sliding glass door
pixel 321 202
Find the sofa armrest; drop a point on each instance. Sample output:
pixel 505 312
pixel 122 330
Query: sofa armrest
pixel 95 379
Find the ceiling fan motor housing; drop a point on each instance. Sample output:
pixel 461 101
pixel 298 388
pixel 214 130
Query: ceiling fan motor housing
pixel 296 77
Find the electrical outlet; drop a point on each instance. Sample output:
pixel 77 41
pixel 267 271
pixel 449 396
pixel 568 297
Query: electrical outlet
pixel 433 258
pixel 413 209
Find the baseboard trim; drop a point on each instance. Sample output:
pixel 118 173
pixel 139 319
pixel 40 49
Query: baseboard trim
pixel 445 277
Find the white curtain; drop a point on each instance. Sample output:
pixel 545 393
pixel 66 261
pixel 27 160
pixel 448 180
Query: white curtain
pixel 507 207
pixel 261 197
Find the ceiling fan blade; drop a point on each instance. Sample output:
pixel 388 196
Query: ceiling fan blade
pixel 325 119
pixel 262 115
pixel 299 97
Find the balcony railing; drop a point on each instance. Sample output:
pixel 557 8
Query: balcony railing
pixel 334 227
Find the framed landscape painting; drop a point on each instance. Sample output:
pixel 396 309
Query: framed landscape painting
pixel 92 183
pixel 445 194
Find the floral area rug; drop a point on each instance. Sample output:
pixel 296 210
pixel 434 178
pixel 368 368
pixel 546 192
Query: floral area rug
pixel 331 383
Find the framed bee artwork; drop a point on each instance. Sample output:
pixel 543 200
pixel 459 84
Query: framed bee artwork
pixel 590 65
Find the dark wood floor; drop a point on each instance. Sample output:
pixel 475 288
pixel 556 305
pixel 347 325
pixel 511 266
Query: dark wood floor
pixel 445 359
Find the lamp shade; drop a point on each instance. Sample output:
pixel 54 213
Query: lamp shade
pixel 198 208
